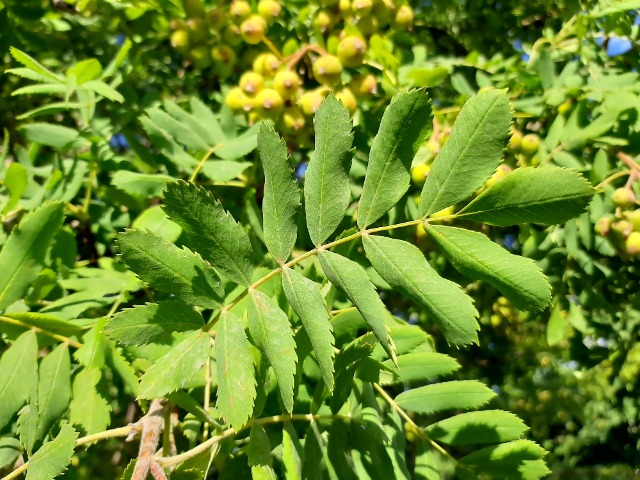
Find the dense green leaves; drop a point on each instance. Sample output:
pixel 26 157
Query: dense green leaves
pixel 471 154
pixel 474 255
pixel 89 410
pixel 271 332
pixel 154 322
pixel 177 367
pixel 462 394
pixel 405 268
pixel 54 388
pixel 306 300
pixel 24 253
pixel 260 454
pixel 281 195
pixel 54 457
pixel 546 195
pixel 489 426
pixel 214 233
pixel 520 459
pixel 170 269
pixel 236 377
pixel 352 279
pixel 18 375
pixel 326 187
pixel 405 125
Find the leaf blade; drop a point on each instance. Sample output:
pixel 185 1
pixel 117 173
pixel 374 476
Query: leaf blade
pixel 460 394
pixel 18 375
pixel 487 426
pixel 54 456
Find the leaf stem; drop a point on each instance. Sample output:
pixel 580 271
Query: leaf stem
pixel 60 338
pixel 408 419
pixel 201 163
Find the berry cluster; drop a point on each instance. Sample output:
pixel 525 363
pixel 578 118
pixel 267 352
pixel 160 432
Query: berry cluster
pixel 623 227
pixel 288 87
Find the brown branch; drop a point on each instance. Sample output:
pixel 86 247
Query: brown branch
pixel 151 425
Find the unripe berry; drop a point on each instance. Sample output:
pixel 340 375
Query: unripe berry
pixel 361 7
pixel 198 31
pixel 367 25
pixel 344 6
pixel 323 20
pixel 251 83
pixel 515 141
pixel 266 64
pixel 351 51
pixel 200 56
pixel 603 226
pixel 224 58
pixel 503 171
pixel 529 144
pixel 404 17
pixel 622 228
pixel 269 103
pixel 364 86
pixel 328 3
pixel 239 10
pixel 310 101
pixel 327 70
pixel 632 244
pixel 419 174
pixel 180 40
pixel 193 8
pixel 286 83
pixel 217 18
pixel 269 9
pixel 236 100
pixel 565 107
pixel 382 12
pixel 634 217
pixel 252 29
pixel 292 120
pixel 231 35
pixel 348 99
pixel 623 197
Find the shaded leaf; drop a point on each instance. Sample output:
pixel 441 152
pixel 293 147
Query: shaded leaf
pixel 326 182
pixel 49 134
pixel 403 265
pixel 488 426
pixel 520 459
pixel 236 376
pixel 547 195
pixel 54 388
pixel 405 125
pixel 259 453
pixel 471 154
pixel 89 410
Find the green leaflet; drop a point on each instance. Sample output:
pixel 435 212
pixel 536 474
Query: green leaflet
pixel 152 323
pixel 474 255
pixel 54 388
pixel 488 426
pixel 18 375
pixel 170 269
pixel 326 182
pixel 272 334
pixel 461 394
pixel 9 451
pixel 405 125
pixel 23 256
pixel 53 457
pixel 28 422
pixel 177 367
pixel 291 453
pixel 89 410
pixel 306 300
pixel 403 265
pixel 214 233
pixel 352 279
pixel 547 195
pixel 471 154
pixel 520 459
pixel 281 195
pixel 259 453
pixel 52 323
pixel 236 376
pixel 419 366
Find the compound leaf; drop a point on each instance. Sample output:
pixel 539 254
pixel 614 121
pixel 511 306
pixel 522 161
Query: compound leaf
pixel 405 125
pixel 271 332
pixel 461 394
pixel 326 181
pixel 548 195
pixel 23 256
pixel 281 195
pixel 236 376
pixel 152 323
pixel 488 426
pixel 53 457
pixel 352 279
pixel 403 265
pixel 18 375
pixel 177 367
pixel 306 300
pixel 171 269
pixel 471 154
pixel 474 255
pixel 213 232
